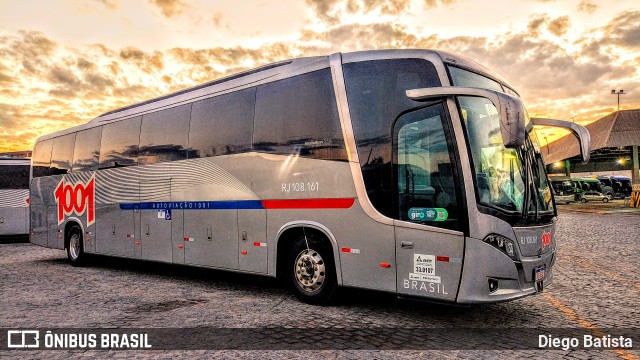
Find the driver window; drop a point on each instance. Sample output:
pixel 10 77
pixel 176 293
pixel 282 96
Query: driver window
pixel 425 181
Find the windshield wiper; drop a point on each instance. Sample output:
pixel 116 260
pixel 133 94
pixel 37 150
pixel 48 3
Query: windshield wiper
pixel 536 175
pixel 525 203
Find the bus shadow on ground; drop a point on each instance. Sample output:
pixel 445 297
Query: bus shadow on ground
pixel 357 299
pixel 14 239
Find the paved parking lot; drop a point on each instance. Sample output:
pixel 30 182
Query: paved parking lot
pixel 597 286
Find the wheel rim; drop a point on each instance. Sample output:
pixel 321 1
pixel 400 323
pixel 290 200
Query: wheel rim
pixel 74 246
pixel 309 269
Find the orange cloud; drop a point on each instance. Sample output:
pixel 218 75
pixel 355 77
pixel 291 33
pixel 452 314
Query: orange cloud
pixel 46 86
pixel 587 6
pixel 169 8
pixel 559 26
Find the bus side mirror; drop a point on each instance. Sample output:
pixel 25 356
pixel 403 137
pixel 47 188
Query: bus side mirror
pixel 510 108
pixel 578 131
pixel 512 120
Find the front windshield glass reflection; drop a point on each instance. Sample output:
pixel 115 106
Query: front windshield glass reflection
pixel 498 170
pixel 540 181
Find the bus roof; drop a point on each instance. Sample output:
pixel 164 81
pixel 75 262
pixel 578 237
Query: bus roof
pixel 264 74
pixel 15 161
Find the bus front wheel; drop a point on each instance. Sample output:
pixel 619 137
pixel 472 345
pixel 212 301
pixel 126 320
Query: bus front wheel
pixel 75 246
pixel 312 271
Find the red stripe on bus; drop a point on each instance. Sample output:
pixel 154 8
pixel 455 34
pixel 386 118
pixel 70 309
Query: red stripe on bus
pixel 331 203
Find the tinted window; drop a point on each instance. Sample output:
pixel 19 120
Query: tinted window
pixel 222 125
pixel 299 115
pixel 42 158
pixel 62 154
pixel 119 146
pixel 164 135
pixel 469 79
pixel 377 95
pixel 87 151
pixel 14 177
pixel 425 175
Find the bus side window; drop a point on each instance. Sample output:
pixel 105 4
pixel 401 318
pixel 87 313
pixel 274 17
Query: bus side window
pixel 299 116
pixel 42 158
pixel 222 125
pixel 62 154
pixel 164 135
pixel 377 94
pixel 87 151
pixel 14 177
pixel 119 145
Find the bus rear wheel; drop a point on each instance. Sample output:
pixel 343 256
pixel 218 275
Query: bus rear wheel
pixel 75 246
pixel 312 274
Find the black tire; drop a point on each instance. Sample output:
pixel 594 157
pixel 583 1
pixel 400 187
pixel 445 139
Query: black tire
pixel 311 272
pixel 584 200
pixel 605 200
pixel 75 246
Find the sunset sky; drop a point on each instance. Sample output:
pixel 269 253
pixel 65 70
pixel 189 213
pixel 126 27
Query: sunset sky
pixel 64 62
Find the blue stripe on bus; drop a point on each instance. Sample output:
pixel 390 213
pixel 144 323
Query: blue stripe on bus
pixel 194 205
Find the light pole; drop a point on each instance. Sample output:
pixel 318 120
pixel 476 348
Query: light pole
pixel 547 141
pixel 621 92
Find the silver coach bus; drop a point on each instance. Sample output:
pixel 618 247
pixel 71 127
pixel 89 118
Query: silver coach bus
pixel 407 171
pixel 14 196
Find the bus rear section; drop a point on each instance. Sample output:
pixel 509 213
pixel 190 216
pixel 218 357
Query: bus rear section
pixel 14 196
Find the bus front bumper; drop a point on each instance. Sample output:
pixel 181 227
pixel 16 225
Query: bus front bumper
pixel 490 276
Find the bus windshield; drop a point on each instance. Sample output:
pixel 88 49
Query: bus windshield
pixel 540 181
pixel 500 172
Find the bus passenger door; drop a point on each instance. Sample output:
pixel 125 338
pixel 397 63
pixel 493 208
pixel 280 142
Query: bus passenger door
pixel 428 262
pixel 428 229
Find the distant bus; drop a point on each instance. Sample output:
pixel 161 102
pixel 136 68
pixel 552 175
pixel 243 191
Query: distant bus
pixel 414 172
pixel 563 190
pixel 14 196
pixel 620 186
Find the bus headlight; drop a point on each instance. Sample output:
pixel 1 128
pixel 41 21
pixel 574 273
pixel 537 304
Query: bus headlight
pixel 503 244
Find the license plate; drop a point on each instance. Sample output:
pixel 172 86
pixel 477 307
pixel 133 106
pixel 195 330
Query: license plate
pixel 539 274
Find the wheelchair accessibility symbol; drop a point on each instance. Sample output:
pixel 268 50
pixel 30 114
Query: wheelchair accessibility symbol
pixel 164 214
